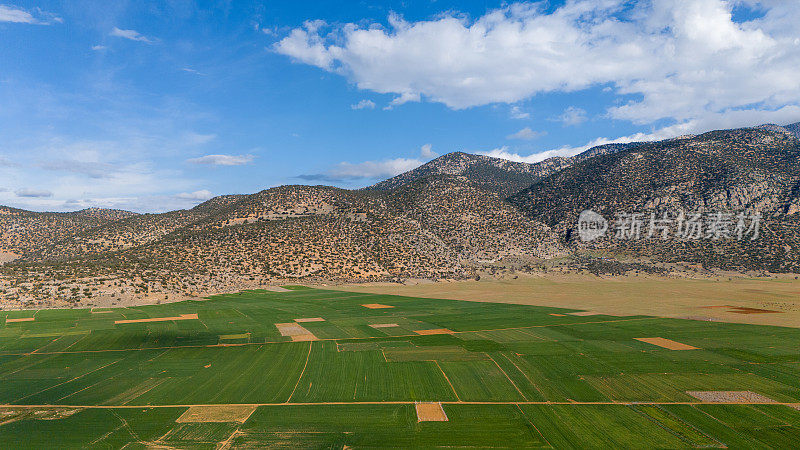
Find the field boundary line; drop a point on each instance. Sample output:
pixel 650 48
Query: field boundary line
pixel 308 356
pixel 524 397
pixel 68 381
pixel 534 426
pixel 524 374
pixel 448 381
pixel 397 402
pixel 322 339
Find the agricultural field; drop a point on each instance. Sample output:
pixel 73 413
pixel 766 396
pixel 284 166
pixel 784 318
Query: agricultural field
pixel 322 368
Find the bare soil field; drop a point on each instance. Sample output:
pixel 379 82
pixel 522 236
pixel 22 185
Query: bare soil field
pixel 295 331
pixel 626 295
pixel 730 397
pixel 221 413
pixel 666 343
pixel 376 306
pixel 430 412
pixel 21 319
pixel 158 319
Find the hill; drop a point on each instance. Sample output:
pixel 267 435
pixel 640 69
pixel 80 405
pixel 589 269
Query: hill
pixel 752 169
pixel 441 226
pixel 23 231
pixel 496 174
pixel 456 217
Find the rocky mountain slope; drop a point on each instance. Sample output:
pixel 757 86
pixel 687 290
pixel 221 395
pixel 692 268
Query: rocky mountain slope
pixel 455 217
pixel 753 170
pixel 440 226
pixel 499 175
pixel 23 231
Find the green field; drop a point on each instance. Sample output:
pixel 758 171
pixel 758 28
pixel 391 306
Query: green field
pixel 506 375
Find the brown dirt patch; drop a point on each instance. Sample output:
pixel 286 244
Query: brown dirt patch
pixel 7 257
pixel 276 289
pixel 384 325
pixel 159 319
pixel 310 319
pixel 558 315
pixel 295 331
pixel 430 412
pixel 730 397
pixel 742 309
pixel 221 413
pixel 376 306
pixel 21 319
pixel 435 331
pixel 102 312
pixel 667 343
pixel 634 295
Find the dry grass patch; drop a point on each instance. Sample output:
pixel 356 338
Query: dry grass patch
pixel 295 331
pixel 434 331
pixel 275 289
pixel 159 319
pixel 216 413
pixel 376 306
pixel 558 315
pixel 730 397
pixel 21 319
pixel 430 412
pixel 310 319
pixel 667 343
pixel 383 325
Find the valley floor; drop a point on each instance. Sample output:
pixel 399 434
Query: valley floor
pixel 303 367
pixel 737 299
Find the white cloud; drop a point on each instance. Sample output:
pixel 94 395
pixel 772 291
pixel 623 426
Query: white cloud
pixel 222 160
pixel 572 116
pixel 132 35
pixel 526 134
pixel 13 14
pixel 364 104
pixel 196 195
pixel 517 113
pixel 368 169
pixel 99 48
pixel 426 151
pixel 676 59
pixel 33 193
pixel 198 138
pixel 190 70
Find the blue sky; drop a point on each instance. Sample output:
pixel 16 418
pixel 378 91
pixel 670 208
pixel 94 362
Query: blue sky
pixel 152 106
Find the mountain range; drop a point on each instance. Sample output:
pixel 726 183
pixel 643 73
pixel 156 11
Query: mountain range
pixel 458 216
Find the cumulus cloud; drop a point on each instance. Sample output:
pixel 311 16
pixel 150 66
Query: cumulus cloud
pixel 572 116
pixel 13 14
pixel 364 104
pixel 33 193
pixel 346 171
pixel 517 113
pixel 132 35
pixel 526 134
pixel 665 59
pixel 222 160
pixel 196 195
pixel 426 151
